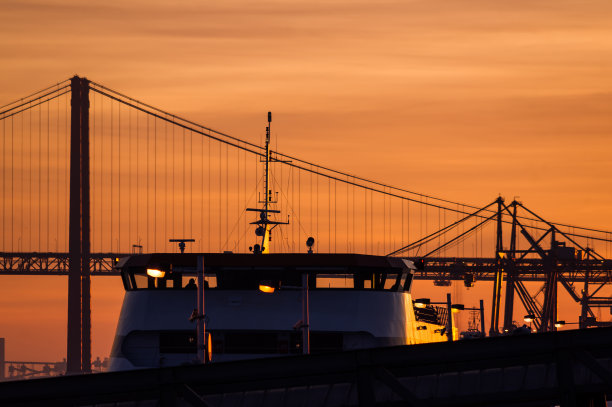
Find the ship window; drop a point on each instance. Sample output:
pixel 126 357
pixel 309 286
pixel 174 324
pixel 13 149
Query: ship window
pixel 335 281
pixel 141 281
pixel 211 281
pixel 393 282
pixel 251 342
pixel 190 281
pixel 274 342
pixel 407 280
pixel 177 342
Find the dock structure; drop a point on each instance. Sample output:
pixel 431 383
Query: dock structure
pixel 568 368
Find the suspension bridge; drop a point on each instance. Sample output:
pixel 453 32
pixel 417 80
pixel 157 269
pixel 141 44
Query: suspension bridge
pixel 89 174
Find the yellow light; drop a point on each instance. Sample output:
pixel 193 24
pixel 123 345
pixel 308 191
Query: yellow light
pixel 266 289
pixel 455 310
pixel 529 318
pixel 559 324
pixel 156 273
pixel 421 302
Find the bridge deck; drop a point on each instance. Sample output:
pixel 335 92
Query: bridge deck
pixel 440 269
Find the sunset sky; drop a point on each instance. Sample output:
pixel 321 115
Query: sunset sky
pixel 460 99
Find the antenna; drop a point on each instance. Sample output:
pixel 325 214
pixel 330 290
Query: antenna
pixel 181 243
pixel 263 229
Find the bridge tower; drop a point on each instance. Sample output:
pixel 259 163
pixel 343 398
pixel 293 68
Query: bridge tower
pixel 78 356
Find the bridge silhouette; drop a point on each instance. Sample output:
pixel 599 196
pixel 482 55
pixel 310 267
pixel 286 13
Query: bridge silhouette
pixel 89 175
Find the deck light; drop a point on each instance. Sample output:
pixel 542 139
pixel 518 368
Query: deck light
pixel 266 286
pixel 457 307
pixel 421 302
pixel 156 273
pixel 529 318
pixel 559 324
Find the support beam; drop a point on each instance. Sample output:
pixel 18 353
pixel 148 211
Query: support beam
pixel 584 302
pixel 549 308
pixel 511 274
pixel 499 272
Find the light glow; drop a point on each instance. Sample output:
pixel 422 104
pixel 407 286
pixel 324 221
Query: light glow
pixel 156 273
pixel 529 318
pixel 457 307
pixel 421 302
pixel 559 324
pixel 266 288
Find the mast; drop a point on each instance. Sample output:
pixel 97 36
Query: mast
pixel 265 239
pixel 264 224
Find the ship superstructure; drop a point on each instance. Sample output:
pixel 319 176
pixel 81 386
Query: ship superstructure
pixel 356 301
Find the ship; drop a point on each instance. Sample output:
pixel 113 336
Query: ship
pixel 263 304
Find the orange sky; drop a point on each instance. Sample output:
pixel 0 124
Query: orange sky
pixel 458 99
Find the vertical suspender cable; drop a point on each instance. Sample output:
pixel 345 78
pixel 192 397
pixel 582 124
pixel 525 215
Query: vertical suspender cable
pixel 154 184
pixel 119 203
pixel 317 217
pixel 244 185
pixel 191 184
pixel 354 225
pixel 408 221
pixel 2 231
pixel 336 218
pixel 445 238
pixel 39 201
pixel 426 221
pixel 329 215
pixel 403 242
pixel 148 175
pixel 13 185
pixel 365 218
pixel 30 181
pixel 173 198
pixel 311 229
pixel 184 176
pixel 347 229
pixel 57 172
pixel 92 162
pixel 384 202
pixel 137 179
pixel 101 205
pixel 129 174
pixel 165 233
pixel 209 195
pixel 371 222
pixel 202 199
pixel 392 237
pixel 220 192
pixel 240 203
pixel 67 172
pixel 299 216
pixel 439 227
pixel 112 183
pixel 226 193
pixel 48 176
